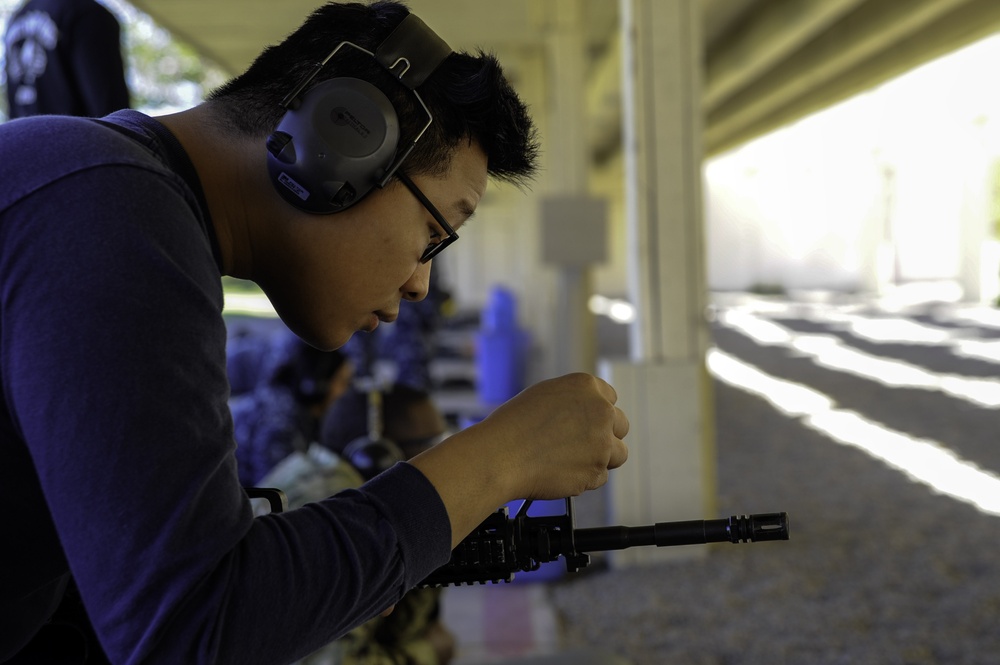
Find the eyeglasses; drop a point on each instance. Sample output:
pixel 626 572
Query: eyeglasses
pixel 434 248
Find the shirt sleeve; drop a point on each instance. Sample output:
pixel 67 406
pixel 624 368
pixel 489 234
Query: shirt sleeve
pixel 114 370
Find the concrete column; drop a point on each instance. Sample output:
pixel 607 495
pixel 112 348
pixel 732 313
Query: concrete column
pixel 979 265
pixel 880 268
pixel 665 387
pixel 574 345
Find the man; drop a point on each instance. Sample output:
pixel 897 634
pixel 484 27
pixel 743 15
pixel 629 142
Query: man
pixel 64 57
pixel 117 471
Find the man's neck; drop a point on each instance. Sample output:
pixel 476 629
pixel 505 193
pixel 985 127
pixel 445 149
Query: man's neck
pixel 226 167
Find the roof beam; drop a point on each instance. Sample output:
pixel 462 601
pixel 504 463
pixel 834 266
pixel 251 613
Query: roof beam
pixel 852 55
pixel 965 25
pixel 772 34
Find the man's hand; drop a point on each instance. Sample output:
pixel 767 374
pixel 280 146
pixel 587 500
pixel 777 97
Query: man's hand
pixel 558 438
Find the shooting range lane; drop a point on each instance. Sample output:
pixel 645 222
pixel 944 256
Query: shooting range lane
pixel 886 563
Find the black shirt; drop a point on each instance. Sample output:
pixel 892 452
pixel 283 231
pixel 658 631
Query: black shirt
pixel 64 57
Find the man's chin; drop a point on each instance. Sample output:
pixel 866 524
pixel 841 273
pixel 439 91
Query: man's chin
pixel 324 340
pixel 325 334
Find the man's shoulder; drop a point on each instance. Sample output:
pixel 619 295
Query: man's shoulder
pixel 73 140
pixel 41 150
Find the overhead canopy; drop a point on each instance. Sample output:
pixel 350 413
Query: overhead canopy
pixel 767 62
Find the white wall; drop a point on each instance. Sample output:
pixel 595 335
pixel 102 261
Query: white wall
pixel 902 167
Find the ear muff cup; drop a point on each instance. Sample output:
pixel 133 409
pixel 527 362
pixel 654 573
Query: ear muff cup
pixel 334 146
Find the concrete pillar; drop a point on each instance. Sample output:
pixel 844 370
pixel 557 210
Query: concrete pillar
pixel 664 387
pixel 574 345
pixel 879 272
pixel 979 265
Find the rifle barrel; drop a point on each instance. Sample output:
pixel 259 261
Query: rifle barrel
pixel 736 529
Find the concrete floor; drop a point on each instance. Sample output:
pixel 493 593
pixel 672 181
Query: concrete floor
pixel 511 624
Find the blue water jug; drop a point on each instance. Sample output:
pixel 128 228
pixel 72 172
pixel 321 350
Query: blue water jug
pixel 501 349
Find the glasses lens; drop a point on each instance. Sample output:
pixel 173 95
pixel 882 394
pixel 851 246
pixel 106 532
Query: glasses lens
pixel 435 249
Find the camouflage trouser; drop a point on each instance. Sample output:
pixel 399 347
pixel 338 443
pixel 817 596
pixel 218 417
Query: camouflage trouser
pixel 393 640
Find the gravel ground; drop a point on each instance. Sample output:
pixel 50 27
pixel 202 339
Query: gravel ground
pixel 879 570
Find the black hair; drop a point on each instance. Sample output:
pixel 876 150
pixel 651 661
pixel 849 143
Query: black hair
pixel 347 419
pixel 468 95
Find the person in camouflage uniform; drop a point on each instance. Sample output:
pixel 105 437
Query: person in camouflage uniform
pixel 282 413
pixel 413 634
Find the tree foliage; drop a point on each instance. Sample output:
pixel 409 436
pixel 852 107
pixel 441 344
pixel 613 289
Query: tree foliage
pixel 163 73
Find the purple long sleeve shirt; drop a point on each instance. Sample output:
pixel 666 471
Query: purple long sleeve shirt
pixel 116 443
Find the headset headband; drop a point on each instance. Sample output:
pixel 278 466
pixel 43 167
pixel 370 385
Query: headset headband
pixel 411 36
pixel 415 44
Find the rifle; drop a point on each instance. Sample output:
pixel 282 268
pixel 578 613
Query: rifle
pixel 502 546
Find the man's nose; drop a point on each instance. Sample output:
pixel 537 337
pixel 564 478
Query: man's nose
pixel 416 287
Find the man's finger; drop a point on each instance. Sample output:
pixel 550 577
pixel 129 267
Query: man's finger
pixel 619 455
pixel 607 390
pixel 621 424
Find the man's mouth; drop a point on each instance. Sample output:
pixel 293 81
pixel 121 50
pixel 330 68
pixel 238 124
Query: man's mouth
pixel 376 317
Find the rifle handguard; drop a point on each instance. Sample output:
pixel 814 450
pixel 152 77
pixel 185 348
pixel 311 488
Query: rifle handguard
pixel 502 546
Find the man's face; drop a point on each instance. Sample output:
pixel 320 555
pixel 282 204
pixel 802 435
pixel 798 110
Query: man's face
pixel 329 276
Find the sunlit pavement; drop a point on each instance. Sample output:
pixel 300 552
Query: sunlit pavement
pixel 876 424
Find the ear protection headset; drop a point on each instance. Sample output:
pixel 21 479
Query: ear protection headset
pixel 372 454
pixel 340 138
